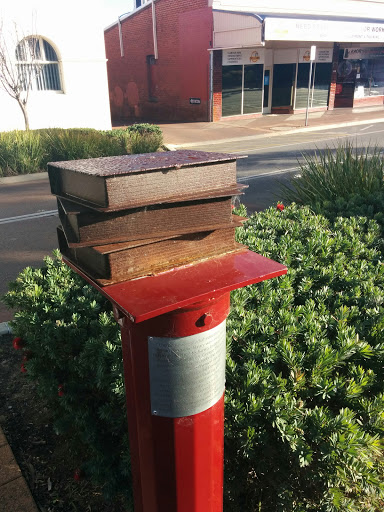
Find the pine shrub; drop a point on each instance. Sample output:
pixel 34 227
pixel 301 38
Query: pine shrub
pixel 305 382
pixel 73 353
pixel 304 399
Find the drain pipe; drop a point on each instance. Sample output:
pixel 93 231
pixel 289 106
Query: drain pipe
pixel 120 36
pixel 154 28
pixel 210 105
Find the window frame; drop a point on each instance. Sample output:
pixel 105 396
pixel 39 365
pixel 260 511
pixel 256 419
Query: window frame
pixel 40 61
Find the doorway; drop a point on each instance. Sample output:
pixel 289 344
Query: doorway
pixel 283 85
pixel 267 96
pixel 242 89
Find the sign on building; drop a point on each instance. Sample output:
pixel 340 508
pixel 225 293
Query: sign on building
pixel 243 56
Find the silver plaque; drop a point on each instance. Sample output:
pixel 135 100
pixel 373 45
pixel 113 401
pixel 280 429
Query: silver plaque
pixel 187 375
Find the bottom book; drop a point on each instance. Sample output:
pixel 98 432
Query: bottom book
pixel 113 263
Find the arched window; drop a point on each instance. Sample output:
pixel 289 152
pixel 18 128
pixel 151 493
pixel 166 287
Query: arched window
pixel 38 65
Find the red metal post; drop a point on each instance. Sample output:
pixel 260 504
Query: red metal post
pixel 166 320
pixel 177 463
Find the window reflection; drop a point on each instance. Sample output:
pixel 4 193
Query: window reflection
pixel 242 89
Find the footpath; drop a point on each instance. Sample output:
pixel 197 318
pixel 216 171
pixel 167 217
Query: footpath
pixel 15 495
pixel 184 135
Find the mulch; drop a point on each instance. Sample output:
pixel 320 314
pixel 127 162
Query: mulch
pixel 45 459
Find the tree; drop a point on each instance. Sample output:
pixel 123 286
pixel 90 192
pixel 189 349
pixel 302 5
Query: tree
pixel 19 65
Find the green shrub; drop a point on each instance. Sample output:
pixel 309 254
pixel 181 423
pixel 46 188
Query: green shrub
pixel 144 128
pixel 360 205
pixel 21 152
pixel 78 144
pixel 73 349
pixel 146 143
pixel 336 173
pixel 305 385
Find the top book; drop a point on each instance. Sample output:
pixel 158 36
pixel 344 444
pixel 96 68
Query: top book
pixel 129 181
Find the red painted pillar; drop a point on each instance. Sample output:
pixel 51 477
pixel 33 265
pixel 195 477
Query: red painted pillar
pixel 177 461
pixel 173 338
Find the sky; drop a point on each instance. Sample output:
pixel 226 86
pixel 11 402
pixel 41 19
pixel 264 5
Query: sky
pixel 104 11
pixel 114 8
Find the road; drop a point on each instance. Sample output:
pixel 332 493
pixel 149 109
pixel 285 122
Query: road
pixel 271 161
pixel 28 223
pixel 28 216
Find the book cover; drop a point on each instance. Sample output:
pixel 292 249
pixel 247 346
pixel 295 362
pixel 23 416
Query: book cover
pixel 84 226
pixel 130 181
pixel 108 264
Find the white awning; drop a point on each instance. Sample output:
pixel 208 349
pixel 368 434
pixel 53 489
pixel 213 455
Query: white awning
pixel 236 30
pixel 296 29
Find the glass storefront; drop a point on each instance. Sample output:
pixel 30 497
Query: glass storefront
pixel 359 78
pixel 283 84
pixel 319 90
pixel 232 90
pixel 369 77
pixel 251 82
pixel 253 89
pixel 242 89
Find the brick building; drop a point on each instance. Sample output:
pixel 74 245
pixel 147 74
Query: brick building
pixel 204 60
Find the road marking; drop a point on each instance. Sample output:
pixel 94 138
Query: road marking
pixel 30 216
pixel 221 146
pixel 366 128
pixel 296 143
pixel 270 173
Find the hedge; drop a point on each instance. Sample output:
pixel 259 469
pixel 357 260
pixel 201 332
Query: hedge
pixel 305 386
pixel 25 152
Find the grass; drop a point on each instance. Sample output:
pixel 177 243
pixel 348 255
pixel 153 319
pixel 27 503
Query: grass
pixel 26 152
pixel 336 173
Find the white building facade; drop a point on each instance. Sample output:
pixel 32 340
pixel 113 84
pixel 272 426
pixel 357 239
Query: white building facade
pixel 71 88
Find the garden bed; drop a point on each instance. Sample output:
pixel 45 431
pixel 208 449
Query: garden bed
pixel 46 459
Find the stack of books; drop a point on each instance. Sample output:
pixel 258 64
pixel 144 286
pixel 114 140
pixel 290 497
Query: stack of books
pixel 131 216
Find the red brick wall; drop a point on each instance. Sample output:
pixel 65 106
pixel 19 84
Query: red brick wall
pixel 368 101
pixel 332 89
pixel 217 85
pixel 184 35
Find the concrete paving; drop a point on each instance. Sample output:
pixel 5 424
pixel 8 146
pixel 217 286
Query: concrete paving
pixel 184 135
pixel 15 495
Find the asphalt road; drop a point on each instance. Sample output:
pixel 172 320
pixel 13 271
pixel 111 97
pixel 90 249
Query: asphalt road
pixel 272 161
pixel 28 216
pixel 28 223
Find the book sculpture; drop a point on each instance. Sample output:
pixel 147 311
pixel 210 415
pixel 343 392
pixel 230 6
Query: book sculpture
pixel 131 216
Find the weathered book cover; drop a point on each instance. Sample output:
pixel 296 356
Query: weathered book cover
pixel 84 226
pixel 109 264
pixel 130 181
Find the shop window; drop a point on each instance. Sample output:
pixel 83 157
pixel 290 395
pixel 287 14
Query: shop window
pixel 319 90
pixel 369 77
pixel 242 88
pixel 38 65
pixel 283 82
pixel 253 89
pixel 232 90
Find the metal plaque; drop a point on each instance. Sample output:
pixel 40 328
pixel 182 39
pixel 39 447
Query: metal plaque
pixel 187 375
